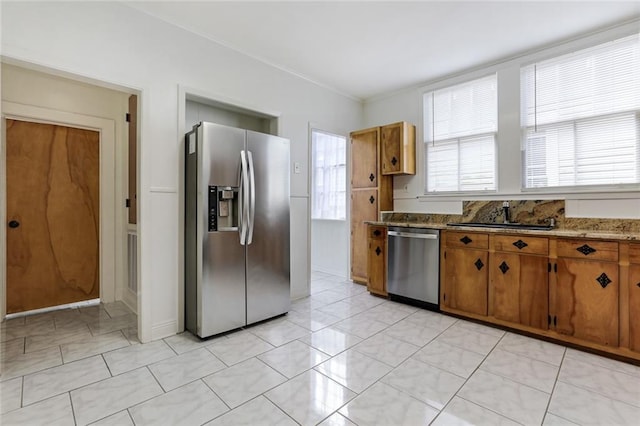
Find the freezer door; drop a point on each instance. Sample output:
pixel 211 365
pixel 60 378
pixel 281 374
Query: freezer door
pixel 268 276
pixel 222 295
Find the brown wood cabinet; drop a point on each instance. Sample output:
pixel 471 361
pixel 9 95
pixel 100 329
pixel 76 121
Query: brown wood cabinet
pixel 519 280
pixel 586 291
pixel 632 295
pixel 464 267
pixel 371 193
pixel 377 260
pixel 398 149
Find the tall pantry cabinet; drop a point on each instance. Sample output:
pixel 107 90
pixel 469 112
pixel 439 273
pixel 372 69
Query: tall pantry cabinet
pixel 371 193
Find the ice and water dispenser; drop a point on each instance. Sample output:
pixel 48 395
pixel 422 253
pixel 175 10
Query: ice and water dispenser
pixel 223 207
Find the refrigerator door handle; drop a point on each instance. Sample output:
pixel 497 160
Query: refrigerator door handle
pixel 243 210
pixel 252 196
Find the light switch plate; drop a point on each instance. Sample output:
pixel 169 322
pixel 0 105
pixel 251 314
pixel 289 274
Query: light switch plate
pixel 296 168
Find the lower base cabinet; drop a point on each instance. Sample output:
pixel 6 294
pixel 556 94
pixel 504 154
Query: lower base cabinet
pixel 377 260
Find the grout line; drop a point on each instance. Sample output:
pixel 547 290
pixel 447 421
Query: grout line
pixel 73 410
pixel 555 383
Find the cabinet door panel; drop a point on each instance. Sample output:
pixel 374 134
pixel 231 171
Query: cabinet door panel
pixel 377 267
pixel 390 143
pixel 520 288
pixel 466 280
pixel 362 209
pixel 587 300
pixel 364 158
pixel 634 307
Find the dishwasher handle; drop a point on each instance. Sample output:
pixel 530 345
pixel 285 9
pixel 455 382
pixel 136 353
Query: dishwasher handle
pixel 412 235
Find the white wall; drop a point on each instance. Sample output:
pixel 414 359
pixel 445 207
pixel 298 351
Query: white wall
pixel 407 105
pixel 35 89
pixel 330 246
pixel 197 112
pixel 112 43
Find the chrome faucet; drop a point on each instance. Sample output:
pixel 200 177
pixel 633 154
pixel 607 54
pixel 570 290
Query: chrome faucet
pixel 505 208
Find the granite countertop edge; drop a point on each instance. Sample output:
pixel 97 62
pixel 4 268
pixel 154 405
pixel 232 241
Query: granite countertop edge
pixel 569 233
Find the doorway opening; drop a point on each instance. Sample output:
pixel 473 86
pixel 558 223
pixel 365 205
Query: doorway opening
pixel 329 230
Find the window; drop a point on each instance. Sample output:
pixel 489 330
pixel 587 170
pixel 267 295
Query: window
pixel 460 137
pixel 329 180
pixel 580 117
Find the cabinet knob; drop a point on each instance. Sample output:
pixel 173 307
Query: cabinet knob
pixel 586 250
pixel 377 232
pixel 371 199
pixel 394 161
pixel 378 251
pixel 479 264
pixel 520 244
pixel 14 224
pixel 371 177
pixel 603 280
pixel 504 267
pixel 465 240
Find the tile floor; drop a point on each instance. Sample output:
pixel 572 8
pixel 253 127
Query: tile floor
pixel 340 357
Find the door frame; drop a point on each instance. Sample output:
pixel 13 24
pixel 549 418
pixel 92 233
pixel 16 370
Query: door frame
pixel 110 269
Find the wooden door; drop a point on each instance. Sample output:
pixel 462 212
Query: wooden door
pixel 466 280
pixel 586 303
pixel 519 289
pixel 364 158
pixel 52 215
pixel 634 307
pixel 363 208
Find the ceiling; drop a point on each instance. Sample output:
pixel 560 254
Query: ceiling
pixel 364 49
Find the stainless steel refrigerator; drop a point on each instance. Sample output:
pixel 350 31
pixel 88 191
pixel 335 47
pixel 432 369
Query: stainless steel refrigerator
pixel 236 228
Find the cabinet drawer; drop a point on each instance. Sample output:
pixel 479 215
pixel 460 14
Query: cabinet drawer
pixel 588 249
pixel 377 232
pixel 521 244
pixel 634 253
pixel 467 240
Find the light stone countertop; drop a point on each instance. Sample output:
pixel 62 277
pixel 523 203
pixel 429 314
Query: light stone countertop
pixel 567 233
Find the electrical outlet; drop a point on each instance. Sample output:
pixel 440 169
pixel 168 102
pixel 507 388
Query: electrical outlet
pixel 296 168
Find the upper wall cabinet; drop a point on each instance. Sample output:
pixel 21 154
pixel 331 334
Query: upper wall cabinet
pixel 398 149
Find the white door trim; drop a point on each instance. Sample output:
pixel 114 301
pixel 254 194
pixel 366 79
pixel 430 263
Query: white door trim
pixel 108 200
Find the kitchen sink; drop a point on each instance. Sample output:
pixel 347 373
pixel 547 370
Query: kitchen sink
pixel 504 225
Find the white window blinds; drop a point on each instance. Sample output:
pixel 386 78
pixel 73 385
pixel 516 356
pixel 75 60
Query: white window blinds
pixel 328 192
pixel 580 117
pixel 460 137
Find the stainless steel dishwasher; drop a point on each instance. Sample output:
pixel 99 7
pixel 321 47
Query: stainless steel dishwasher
pixel 413 269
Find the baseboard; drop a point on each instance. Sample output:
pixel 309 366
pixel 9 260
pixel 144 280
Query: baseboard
pixel 164 329
pixel 130 299
pixel 328 271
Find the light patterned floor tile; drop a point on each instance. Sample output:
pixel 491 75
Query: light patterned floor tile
pixel 99 400
pixel 121 418
pixel 54 411
pixel 460 412
pixel 310 397
pixel 244 381
pixel 29 363
pixel 363 327
pixel 175 372
pixel 192 404
pixel 93 346
pixel 57 338
pixel 387 349
pixel 342 309
pixel 337 419
pixel 255 412
pixel 430 319
pixel 293 358
pixel 117 309
pixel 468 340
pixel 185 342
pixel 382 404
pixel 279 331
pixel 54 381
pixel 132 357
pixel 584 407
pixel 104 326
pixel 411 333
pixel 385 313
pixel 601 361
pixel 449 358
pixel 553 420
pixel 239 347
pixel 312 320
pixel 512 400
pixel 532 348
pixel 354 370
pixel 10 395
pixel 425 382
pixel 11 348
pixel 331 341
pixel 620 386
pixel 17 331
pixel 527 371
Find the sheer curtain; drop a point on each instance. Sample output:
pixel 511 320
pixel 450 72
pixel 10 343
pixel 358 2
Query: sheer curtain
pixel 460 136
pixel 328 189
